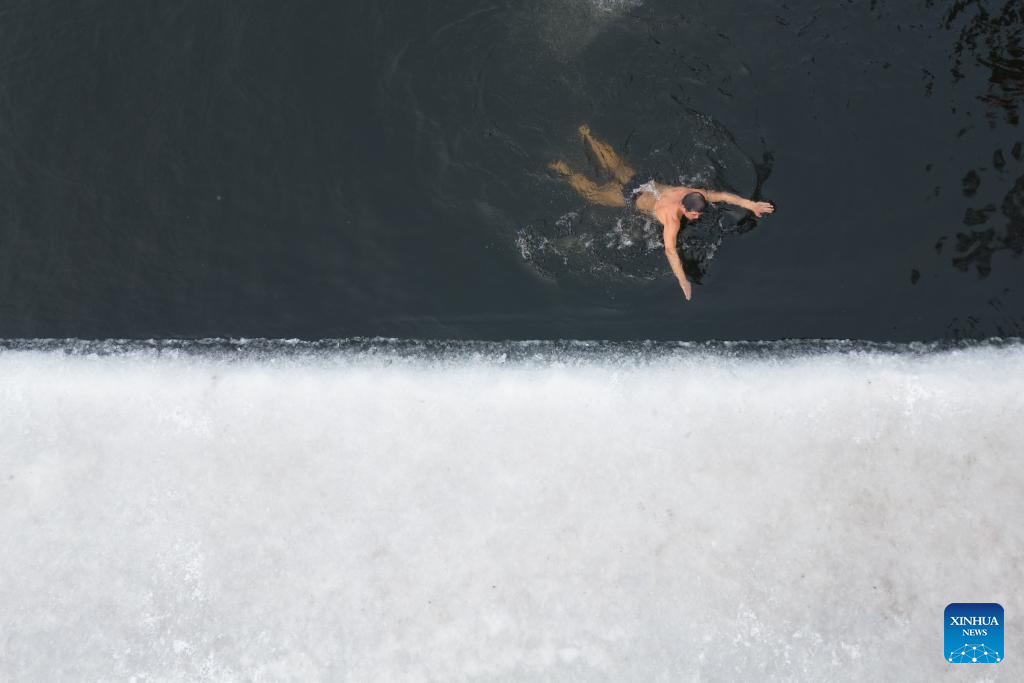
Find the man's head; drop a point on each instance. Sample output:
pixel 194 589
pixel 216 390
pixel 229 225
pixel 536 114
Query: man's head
pixel 693 205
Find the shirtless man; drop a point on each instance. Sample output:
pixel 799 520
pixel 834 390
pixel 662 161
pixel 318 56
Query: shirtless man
pixel 667 203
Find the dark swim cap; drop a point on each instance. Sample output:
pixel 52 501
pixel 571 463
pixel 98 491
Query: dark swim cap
pixel 694 202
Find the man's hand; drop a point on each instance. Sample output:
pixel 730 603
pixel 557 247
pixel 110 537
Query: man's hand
pixel 687 287
pixel 761 208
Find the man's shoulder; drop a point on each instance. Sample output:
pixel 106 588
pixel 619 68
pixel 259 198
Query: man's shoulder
pixel 668 214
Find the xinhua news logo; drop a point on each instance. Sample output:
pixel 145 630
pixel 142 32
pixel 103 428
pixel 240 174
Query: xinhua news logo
pixel 974 633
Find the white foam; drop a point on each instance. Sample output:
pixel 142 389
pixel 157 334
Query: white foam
pixel 328 518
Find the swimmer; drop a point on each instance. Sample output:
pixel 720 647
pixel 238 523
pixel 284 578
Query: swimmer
pixel 669 204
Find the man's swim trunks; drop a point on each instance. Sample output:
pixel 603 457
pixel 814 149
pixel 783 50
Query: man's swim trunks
pixel 632 188
pixel 637 185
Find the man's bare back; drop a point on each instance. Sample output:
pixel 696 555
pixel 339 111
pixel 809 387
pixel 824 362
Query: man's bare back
pixel 669 204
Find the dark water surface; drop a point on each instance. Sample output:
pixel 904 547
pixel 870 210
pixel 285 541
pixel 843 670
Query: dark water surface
pixel 330 169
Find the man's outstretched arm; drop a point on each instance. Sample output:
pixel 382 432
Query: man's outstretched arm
pixel 757 208
pixel 672 253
